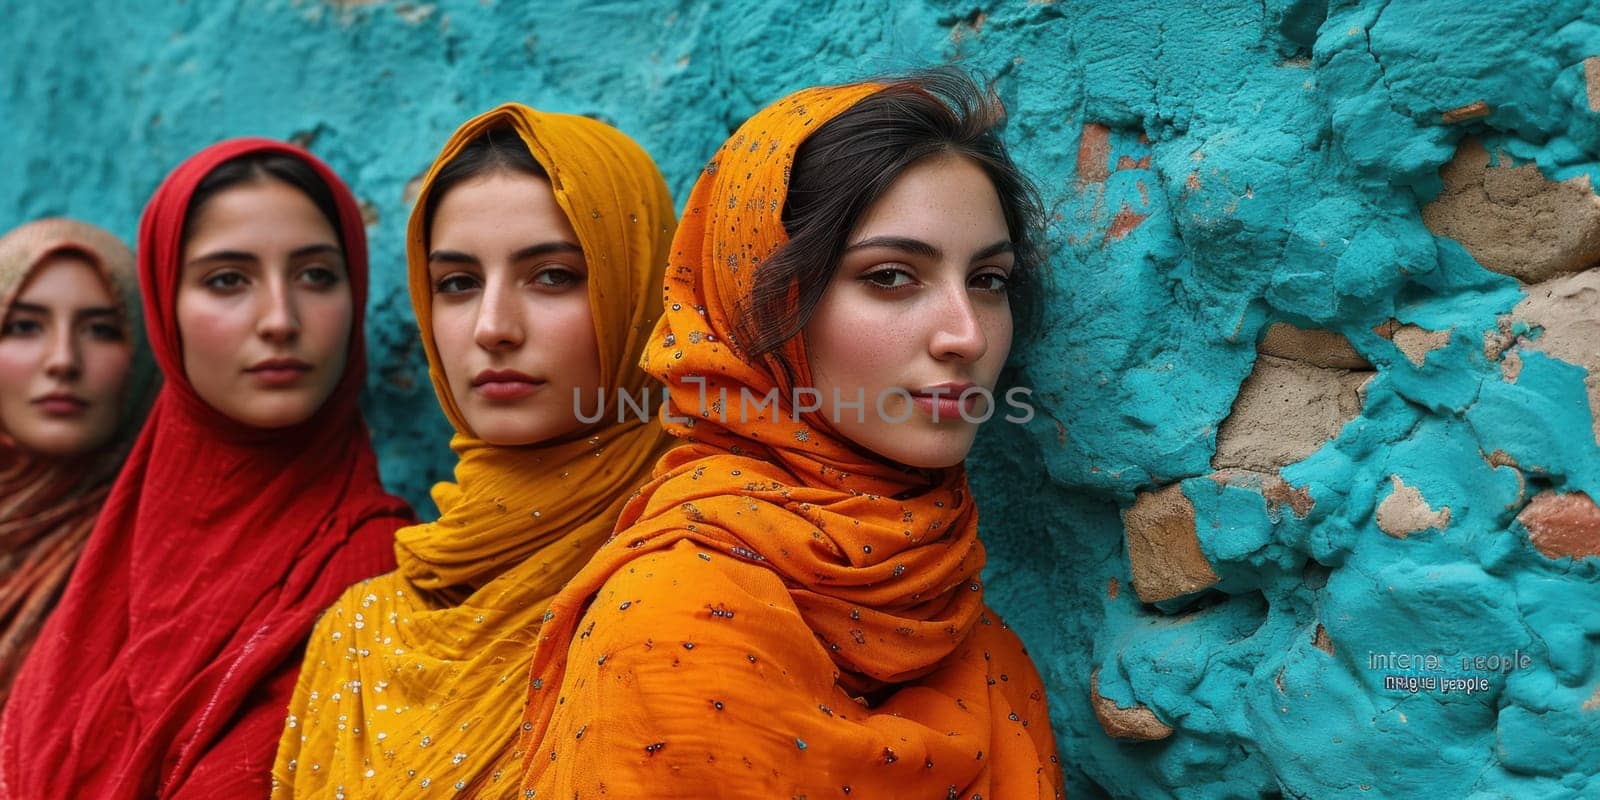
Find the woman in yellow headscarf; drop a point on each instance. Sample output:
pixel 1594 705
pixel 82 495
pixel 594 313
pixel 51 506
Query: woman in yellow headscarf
pixel 792 607
pixel 534 255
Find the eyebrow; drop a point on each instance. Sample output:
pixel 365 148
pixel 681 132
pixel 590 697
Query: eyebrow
pixel 531 251
pixel 321 249
pixel 91 311
pixel 920 248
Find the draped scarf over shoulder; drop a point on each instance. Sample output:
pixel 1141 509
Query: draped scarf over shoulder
pixel 414 681
pixel 48 506
pixel 165 670
pixel 779 613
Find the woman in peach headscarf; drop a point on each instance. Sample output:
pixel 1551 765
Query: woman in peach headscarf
pixel 535 255
pixel 75 382
pixel 792 607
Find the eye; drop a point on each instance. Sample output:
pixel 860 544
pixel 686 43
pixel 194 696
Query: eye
pixel 456 283
pixel 557 278
pixel 22 328
pixel 889 278
pixel 105 331
pixel 228 281
pixel 990 282
pixel 321 277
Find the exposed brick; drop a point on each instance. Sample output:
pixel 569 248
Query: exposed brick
pixel 1163 547
pixel 1563 525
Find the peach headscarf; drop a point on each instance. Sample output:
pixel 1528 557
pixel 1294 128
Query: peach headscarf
pixel 413 682
pixel 779 613
pixel 47 508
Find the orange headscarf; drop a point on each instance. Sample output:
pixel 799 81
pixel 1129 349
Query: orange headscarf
pixel 779 613
pixel 413 682
pixel 48 506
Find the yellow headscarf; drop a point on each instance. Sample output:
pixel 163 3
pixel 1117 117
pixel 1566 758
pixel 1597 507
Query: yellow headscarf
pixel 414 682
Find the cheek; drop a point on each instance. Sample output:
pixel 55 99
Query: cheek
pixel 999 331
pixel 210 333
pixel 106 368
pixel 327 319
pixel 18 362
pixel 854 341
pixel 18 365
pixel 563 328
pixel 452 336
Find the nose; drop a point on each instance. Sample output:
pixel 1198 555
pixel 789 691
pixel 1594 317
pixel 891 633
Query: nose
pixel 64 360
pixel 499 326
pixel 958 334
pixel 279 321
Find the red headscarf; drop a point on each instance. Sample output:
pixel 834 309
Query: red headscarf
pixel 167 666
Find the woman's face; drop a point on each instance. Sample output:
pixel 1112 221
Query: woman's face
pixel 915 315
pixel 264 306
pixel 511 316
pixel 64 360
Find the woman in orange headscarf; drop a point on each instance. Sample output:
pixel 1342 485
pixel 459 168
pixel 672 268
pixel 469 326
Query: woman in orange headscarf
pixel 535 256
pixel 792 607
pixel 76 379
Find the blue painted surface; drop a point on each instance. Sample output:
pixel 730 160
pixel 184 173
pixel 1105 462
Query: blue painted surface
pixel 1273 154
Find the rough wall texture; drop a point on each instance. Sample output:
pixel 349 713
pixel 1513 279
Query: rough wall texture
pixel 1318 434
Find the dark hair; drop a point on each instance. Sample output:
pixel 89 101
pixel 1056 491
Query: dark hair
pixel 253 167
pixel 497 149
pixel 853 159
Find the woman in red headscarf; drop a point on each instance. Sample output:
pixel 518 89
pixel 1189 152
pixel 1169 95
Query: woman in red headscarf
pixel 250 501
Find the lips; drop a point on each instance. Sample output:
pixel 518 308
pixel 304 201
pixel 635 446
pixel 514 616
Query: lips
pixel 279 372
pixel 61 404
pixel 505 385
pixel 943 401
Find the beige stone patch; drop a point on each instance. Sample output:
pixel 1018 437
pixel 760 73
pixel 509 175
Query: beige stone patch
pixel 1563 525
pixel 1512 219
pixel 1317 348
pixel 1284 411
pixel 1277 491
pixel 1405 512
pixel 1163 548
pixel 1137 723
pixel 1567 312
pixel 1414 342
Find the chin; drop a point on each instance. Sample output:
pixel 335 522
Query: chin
pixel 941 455
pixel 277 418
pixel 65 445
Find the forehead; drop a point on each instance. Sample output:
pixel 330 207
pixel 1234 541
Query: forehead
pixel 944 199
pixel 260 214
pixel 65 279
pixel 501 207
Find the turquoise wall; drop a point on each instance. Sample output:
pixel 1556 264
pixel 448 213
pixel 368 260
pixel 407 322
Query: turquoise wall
pixel 1236 535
